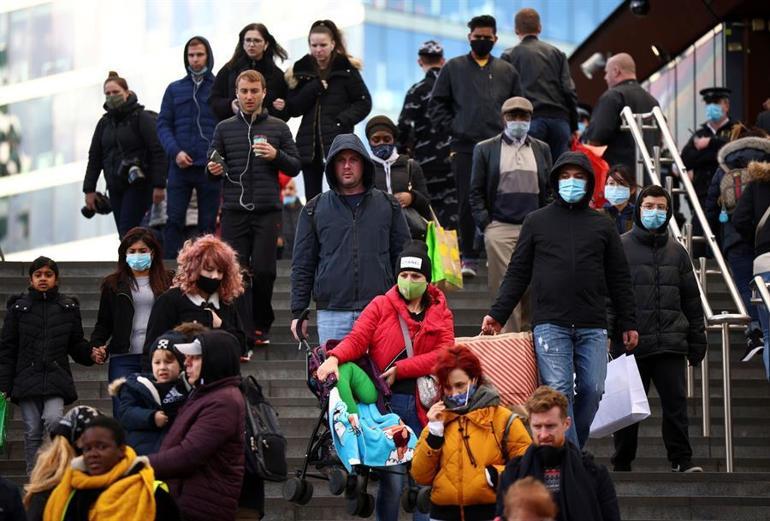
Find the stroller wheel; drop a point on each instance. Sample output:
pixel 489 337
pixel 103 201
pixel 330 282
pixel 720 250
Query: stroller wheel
pixel 361 505
pixel 423 500
pixel 338 481
pixel 409 499
pixel 307 493
pixel 355 486
pixel 292 489
pixel 367 508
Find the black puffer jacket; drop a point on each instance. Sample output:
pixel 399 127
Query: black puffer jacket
pixel 572 257
pixel 40 331
pixel 328 112
pixel 752 206
pixel 124 133
pixel 223 91
pixel 405 176
pixel 260 191
pixel 668 309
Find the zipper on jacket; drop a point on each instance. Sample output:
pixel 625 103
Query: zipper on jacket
pixel 45 341
pixel 574 266
pixel 355 245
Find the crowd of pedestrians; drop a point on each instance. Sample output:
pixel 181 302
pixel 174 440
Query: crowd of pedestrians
pixel 484 144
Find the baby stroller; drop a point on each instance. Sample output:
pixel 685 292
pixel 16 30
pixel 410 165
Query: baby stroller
pixel 320 452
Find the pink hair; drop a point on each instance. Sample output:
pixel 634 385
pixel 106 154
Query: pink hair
pixel 195 254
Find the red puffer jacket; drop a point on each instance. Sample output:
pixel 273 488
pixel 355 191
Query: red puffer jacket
pixel 378 332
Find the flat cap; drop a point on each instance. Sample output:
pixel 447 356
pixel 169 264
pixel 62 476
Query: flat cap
pixel 517 103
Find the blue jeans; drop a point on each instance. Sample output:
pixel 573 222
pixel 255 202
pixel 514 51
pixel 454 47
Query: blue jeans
pixel 178 192
pixel 335 325
pixel 565 351
pixel 764 319
pixel 129 206
pixel 554 131
pixel 393 480
pixel 741 261
pixel 120 366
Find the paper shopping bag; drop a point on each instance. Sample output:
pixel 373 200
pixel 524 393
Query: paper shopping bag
pixel 444 254
pixel 624 401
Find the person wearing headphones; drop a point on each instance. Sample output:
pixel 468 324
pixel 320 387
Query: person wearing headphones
pixel 247 151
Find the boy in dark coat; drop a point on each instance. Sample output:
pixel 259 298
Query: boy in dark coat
pixel 670 324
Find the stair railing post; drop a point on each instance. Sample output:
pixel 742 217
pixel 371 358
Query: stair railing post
pixel 705 384
pixel 727 396
pixel 639 160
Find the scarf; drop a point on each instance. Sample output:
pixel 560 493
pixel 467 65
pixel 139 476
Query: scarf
pixel 126 495
pixel 386 164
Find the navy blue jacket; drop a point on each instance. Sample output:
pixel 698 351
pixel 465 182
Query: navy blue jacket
pixel 346 256
pixel 186 122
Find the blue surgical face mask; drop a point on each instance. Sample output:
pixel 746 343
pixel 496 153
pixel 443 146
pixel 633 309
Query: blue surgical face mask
pixel 516 129
pixel 714 112
pixel 383 151
pixel 572 190
pixel 653 219
pixel 617 194
pixel 581 127
pixel 455 401
pixel 139 261
pixel 289 199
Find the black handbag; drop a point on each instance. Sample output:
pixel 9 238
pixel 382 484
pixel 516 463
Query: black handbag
pixel 418 226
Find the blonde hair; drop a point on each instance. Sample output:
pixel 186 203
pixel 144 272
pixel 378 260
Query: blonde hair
pixel 52 461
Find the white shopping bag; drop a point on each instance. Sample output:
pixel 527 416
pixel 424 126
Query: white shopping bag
pixel 624 401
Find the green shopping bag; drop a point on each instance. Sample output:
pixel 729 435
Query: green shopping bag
pixel 4 409
pixel 444 254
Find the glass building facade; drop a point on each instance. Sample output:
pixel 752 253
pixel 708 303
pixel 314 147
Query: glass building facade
pixel 54 57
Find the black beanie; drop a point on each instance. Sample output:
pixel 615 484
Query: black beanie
pixel 167 342
pixel 380 123
pixel 414 257
pixel 42 262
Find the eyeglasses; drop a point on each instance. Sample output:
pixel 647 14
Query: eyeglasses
pixel 252 41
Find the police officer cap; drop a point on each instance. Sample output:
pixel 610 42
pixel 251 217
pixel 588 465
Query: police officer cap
pixel 714 94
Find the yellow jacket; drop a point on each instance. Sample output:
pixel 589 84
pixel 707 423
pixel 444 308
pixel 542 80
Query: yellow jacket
pixel 472 441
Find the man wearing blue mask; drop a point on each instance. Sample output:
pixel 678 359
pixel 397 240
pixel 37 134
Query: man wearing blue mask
pixel 571 257
pixel 670 322
pixel 509 180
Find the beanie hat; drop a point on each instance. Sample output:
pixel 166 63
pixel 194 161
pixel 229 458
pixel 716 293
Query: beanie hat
pixel 42 262
pixel 72 424
pixel 414 257
pixel 380 123
pixel 168 341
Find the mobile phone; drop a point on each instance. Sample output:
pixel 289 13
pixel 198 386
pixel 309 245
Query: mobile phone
pixel 217 158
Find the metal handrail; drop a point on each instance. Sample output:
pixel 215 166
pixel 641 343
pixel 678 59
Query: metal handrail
pixel 723 320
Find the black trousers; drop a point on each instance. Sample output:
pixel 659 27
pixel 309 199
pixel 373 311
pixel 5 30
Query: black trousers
pixel 443 196
pixel 667 372
pixel 461 167
pixel 254 238
pixel 313 175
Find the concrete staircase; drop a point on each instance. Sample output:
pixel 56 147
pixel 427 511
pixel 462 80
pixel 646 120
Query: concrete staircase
pixel 650 492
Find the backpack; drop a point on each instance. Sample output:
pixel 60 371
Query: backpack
pixel 731 188
pixel 265 443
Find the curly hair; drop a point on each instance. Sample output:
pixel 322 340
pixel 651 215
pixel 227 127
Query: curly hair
pixel 457 357
pixel 196 254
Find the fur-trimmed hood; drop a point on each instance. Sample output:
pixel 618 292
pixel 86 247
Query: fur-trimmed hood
pixel 760 171
pixel 305 67
pixel 137 381
pixel 741 152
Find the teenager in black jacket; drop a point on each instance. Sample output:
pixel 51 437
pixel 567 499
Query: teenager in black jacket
pixel 571 258
pixel 326 89
pixel 256 50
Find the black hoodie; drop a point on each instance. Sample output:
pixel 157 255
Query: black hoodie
pixel 221 352
pixel 571 257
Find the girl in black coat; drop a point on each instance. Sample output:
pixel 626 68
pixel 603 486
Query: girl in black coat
pixel 326 89
pixel 256 50
pixel 42 328
pixel 125 146
pixel 127 298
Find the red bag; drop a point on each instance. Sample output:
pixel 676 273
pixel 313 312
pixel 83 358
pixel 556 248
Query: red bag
pixel 600 167
pixel 509 362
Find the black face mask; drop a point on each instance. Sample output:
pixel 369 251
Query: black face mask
pixel 482 48
pixel 208 284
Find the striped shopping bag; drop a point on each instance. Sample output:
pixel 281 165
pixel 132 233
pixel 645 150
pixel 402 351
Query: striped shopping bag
pixel 508 361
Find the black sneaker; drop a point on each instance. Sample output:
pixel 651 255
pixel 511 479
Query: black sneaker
pixel 755 343
pixel 686 467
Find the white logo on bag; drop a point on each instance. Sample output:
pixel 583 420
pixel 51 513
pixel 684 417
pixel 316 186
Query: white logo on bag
pixel 411 262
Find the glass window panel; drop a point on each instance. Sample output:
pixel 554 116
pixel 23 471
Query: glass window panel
pixel 556 21
pixel 685 100
pixel 704 73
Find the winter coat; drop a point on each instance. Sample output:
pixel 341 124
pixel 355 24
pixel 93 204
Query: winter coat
pixel 704 163
pixel 405 176
pixel 467 99
pixel 174 307
pixel 622 219
pixel 586 492
pixel 455 465
pixel 545 79
pixel 186 122
pixel 417 136
pixel 485 176
pixel 668 309
pixel 223 91
pixel 346 256
pixel 125 133
pixel 202 456
pixel 377 332
pixel 604 127
pixel 251 182
pixel 752 206
pixel 571 258
pixel 326 113
pixel 41 330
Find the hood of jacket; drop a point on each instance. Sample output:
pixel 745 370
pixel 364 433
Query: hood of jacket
pixel 209 54
pixel 642 232
pixel 349 142
pixel 307 67
pixel 140 383
pixel 221 356
pixel 581 161
pixel 760 171
pixel 739 153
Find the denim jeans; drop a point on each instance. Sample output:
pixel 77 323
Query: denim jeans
pixel 120 366
pixel 181 183
pixel 740 258
pixel 39 415
pixel 554 131
pixel 574 362
pixel 335 325
pixel 764 319
pixel 129 205
pixel 392 481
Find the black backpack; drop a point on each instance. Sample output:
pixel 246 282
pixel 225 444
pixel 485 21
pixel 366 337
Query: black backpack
pixel 265 443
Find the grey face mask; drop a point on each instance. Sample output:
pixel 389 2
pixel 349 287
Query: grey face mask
pixel 114 101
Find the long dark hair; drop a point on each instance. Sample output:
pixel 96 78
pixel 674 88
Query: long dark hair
pixel 330 28
pixel 273 47
pixel 160 279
